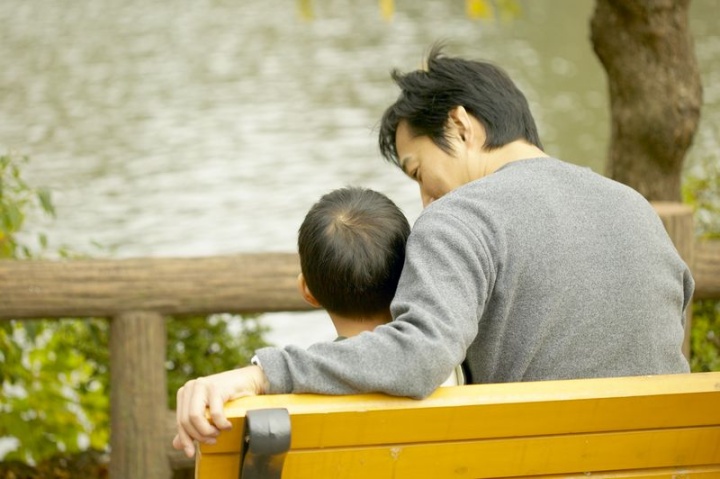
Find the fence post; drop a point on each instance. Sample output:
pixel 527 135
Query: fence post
pixel 678 221
pixel 138 394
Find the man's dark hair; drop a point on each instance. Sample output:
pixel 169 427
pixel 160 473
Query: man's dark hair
pixel 352 250
pixel 427 96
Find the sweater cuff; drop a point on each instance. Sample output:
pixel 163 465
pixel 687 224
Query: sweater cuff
pixel 273 364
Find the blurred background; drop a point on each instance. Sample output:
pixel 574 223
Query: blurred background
pixel 200 128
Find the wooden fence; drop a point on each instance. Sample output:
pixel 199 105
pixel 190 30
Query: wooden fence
pixel 136 294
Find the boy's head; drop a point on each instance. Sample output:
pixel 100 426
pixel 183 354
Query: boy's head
pixel 428 95
pixel 352 249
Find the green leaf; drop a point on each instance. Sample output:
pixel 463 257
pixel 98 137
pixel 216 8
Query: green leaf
pixel 12 218
pixel 46 201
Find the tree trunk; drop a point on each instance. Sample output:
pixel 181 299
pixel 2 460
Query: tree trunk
pixel 655 91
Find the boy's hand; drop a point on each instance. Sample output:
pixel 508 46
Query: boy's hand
pixel 212 392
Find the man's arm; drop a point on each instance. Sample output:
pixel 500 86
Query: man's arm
pixel 444 281
pixel 443 285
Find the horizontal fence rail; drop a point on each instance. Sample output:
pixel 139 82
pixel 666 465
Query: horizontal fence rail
pixel 243 283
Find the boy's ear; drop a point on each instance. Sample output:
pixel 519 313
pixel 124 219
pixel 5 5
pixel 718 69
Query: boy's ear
pixel 305 292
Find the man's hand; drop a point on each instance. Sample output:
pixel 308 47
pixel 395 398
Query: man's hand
pixel 212 392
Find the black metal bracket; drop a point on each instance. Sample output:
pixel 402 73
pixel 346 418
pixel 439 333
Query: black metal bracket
pixel 267 441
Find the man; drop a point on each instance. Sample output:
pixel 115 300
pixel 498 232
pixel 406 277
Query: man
pixel 525 267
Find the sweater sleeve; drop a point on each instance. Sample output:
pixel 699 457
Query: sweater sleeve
pixel 443 286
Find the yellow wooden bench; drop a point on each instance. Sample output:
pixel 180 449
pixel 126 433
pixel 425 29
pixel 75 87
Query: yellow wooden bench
pixel 635 427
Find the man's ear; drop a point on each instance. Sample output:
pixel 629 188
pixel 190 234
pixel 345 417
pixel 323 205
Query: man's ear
pixel 468 128
pixel 459 120
pixel 305 292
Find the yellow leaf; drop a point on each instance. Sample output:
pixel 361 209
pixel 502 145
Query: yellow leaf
pixel 387 9
pixel 477 9
pixel 509 9
pixel 305 9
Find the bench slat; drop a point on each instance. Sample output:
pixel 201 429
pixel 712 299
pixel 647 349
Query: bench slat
pixel 512 457
pixel 694 472
pixel 225 466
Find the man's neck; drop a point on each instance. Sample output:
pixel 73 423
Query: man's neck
pixel 515 151
pixel 348 326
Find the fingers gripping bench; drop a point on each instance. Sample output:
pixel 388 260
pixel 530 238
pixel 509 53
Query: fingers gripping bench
pixel 636 427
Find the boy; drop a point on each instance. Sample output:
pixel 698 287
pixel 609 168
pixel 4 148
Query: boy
pixel 352 249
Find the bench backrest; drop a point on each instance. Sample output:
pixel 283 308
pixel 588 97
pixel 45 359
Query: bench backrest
pixel 639 427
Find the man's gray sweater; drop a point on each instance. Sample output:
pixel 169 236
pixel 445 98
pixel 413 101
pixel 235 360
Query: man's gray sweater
pixel 541 270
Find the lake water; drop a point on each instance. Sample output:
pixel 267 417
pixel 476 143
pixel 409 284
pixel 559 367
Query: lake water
pixel 209 127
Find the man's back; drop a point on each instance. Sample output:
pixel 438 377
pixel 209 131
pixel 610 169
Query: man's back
pixel 574 273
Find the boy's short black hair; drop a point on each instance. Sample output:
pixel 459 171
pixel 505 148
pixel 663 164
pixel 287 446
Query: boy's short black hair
pixel 352 250
pixel 428 95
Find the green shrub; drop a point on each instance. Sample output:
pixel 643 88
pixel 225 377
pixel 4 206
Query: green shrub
pixel 703 194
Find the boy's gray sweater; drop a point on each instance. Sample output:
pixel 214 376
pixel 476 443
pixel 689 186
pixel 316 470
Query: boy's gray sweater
pixel 541 270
